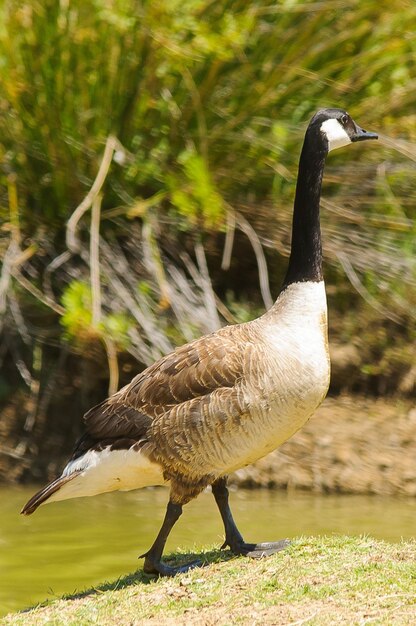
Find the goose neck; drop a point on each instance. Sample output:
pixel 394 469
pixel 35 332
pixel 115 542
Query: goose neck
pixel 305 262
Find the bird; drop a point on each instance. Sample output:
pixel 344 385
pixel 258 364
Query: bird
pixel 222 401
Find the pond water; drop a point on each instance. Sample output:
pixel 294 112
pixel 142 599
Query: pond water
pixel 69 546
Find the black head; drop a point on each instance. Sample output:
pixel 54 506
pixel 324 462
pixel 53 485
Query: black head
pixel 337 128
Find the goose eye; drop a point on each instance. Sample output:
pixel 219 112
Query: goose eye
pixel 344 119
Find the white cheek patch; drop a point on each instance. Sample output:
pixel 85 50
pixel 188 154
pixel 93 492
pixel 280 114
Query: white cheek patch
pixel 335 134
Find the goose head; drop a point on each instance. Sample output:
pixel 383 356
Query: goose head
pixel 336 128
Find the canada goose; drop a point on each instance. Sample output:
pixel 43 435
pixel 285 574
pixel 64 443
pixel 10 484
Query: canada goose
pixel 227 399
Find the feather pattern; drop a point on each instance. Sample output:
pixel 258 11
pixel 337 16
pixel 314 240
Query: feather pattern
pixel 226 399
pixel 208 408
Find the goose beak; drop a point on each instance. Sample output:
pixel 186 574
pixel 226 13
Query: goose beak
pixel 361 134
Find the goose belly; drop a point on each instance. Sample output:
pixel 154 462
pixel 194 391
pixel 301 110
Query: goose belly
pixel 280 399
pixel 272 422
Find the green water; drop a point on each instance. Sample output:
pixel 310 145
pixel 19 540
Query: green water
pixel 69 546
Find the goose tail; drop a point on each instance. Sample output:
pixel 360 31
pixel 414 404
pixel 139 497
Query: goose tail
pixel 46 492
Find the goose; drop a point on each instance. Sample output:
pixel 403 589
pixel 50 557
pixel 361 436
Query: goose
pixel 226 399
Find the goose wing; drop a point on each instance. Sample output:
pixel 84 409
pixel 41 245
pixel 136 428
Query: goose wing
pixel 185 382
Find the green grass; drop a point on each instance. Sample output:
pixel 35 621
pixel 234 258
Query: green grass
pixel 316 581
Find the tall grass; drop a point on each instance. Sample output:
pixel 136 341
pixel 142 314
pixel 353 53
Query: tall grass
pixel 234 81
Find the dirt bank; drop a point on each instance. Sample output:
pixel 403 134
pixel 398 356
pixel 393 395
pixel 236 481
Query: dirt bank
pixel 350 445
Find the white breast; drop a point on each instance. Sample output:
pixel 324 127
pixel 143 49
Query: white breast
pixel 295 377
pixel 298 344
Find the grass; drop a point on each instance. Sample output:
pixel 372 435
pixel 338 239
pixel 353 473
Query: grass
pixel 316 581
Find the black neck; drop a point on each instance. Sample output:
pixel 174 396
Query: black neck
pixel 305 263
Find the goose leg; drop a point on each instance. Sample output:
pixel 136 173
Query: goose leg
pixel 233 538
pixel 152 558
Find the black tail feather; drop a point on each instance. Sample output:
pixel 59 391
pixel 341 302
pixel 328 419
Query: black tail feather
pixel 45 493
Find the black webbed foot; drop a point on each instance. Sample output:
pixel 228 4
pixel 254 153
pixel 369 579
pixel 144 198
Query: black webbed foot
pixel 257 550
pixel 153 563
pixel 233 538
pixel 158 568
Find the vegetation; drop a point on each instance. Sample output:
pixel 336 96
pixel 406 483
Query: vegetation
pixel 146 147
pixel 325 581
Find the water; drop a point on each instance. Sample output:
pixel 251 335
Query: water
pixel 69 546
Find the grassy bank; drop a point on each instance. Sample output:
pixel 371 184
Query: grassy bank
pixel 324 580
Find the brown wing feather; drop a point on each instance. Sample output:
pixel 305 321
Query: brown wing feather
pixel 196 436
pixel 114 418
pixel 194 370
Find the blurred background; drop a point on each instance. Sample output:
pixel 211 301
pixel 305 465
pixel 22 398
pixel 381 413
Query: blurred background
pixel 148 160
pixel 148 155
